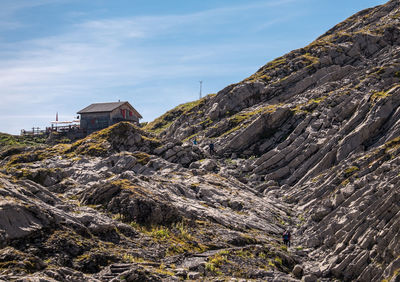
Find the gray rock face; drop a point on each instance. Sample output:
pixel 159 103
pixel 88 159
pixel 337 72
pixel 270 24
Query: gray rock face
pixel 209 165
pixel 298 271
pixel 182 154
pixel 17 221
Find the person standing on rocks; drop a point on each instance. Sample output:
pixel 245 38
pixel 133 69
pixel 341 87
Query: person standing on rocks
pixel 194 141
pixel 211 147
pixel 286 238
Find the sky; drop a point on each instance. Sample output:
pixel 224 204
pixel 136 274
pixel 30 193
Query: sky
pixel 62 55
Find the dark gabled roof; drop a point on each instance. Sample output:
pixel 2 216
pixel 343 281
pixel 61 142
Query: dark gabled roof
pixel 101 107
pixel 106 107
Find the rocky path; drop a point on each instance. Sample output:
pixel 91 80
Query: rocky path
pixel 114 272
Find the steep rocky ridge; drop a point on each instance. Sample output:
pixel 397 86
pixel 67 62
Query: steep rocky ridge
pixel 310 142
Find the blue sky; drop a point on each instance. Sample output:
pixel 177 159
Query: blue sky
pixel 62 55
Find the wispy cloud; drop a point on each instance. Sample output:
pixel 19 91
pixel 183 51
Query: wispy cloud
pixel 150 26
pixel 9 7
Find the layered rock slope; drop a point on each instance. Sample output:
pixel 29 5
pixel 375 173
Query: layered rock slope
pixel 310 142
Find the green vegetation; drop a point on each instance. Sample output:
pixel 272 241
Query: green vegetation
pixel 163 271
pixel 392 146
pixel 262 73
pixel 230 161
pixel 380 71
pixel 104 141
pixel 233 130
pixel 37 154
pixel 395 16
pixel 385 152
pixel 161 233
pixel 143 124
pixel 124 184
pixel 245 254
pixel 308 106
pixel 318 178
pixel 151 139
pixel 396 273
pixel 178 237
pixel 310 60
pixel 278 62
pixel 258 76
pixel 18 262
pixel 95 144
pixel 242 120
pixel 378 95
pixel 345 182
pixel 205 123
pixel 38 175
pixel 191 137
pixel 349 171
pixel 229 263
pixel 216 261
pixel 166 120
pixel 317 100
pixel 15 140
pixel 131 259
pixel 141 157
pixel 278 260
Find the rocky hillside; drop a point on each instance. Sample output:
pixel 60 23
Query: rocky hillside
pixel 309 143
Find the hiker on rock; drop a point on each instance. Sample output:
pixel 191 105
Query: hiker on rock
pixel 211 146
pixel 286 238
pixel 194 141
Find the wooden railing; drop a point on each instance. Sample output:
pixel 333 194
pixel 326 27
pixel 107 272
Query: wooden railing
pixel 48 130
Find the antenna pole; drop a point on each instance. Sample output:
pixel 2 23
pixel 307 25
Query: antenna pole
pixel 201 84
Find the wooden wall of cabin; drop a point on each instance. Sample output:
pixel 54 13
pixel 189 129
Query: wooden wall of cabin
pixel 95 121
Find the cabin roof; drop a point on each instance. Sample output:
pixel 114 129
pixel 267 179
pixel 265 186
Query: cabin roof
pixel 107 107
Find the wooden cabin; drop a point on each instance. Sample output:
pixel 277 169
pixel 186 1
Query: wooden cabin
pixel 101 115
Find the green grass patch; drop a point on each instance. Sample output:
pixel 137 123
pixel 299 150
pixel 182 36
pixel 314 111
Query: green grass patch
pixel 278 260
pixel 215 262
pixel 177 237
pixel 142 158
pixel 263 73
pixel 124 184
pixel 378 96
pixel 166 120
pixel 304 107
pixel 242 120
pixel 350 170
pixel 16 140
pixel 309 59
